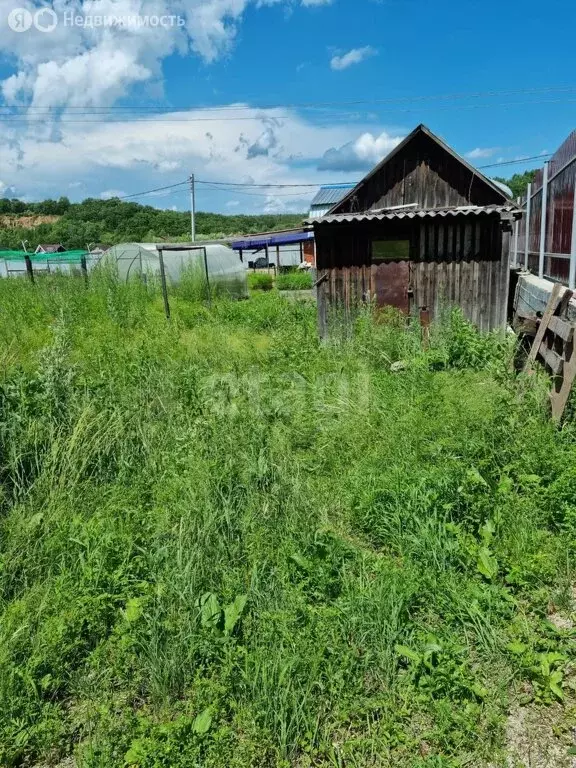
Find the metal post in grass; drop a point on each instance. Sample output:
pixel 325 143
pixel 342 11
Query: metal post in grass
pixel 207 277
pixel 84 270
pixel 29 268
pixel 516 236
pixel 163 282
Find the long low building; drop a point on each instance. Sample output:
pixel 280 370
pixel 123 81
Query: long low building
pixel 287 248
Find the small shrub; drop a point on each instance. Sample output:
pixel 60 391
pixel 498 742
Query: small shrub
pixel 294 281
pixel 261 281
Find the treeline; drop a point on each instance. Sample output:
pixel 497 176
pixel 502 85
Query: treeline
pixel 518 182
pixel 114 221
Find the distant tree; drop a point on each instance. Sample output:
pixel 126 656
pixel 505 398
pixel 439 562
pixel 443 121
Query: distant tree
pixel 518 182
pixel 115 221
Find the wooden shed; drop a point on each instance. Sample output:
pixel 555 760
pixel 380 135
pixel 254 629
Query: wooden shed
pixel 423 230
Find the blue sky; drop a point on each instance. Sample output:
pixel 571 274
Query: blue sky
pixel 100 109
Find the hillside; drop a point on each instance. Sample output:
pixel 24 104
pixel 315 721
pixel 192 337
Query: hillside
pixel 75 225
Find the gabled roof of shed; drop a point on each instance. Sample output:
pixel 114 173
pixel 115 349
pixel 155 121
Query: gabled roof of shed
pixel 50 247
pixel 421 130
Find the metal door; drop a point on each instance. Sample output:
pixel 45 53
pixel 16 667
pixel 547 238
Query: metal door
pixel 392 284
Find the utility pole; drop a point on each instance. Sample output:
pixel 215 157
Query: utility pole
pixel 192 209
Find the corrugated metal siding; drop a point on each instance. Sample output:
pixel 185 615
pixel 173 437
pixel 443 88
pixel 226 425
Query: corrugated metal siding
pixel 317 211
pixel 331 194
pixel 559 214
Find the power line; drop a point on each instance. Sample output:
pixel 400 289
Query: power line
pixel 239 187
pixel 519 160
pixel 150 191
pixel 261 186
pixel 311 104
pixel 64 120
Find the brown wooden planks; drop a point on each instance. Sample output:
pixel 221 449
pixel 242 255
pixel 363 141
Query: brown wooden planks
pixel 551 308
pixel 559 398
pixel 552 360
pixel 562 328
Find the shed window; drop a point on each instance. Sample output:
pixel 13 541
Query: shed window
pixel 390 250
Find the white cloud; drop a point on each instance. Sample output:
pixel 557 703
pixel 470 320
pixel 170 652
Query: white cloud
pixel 164 166
pixel 481 153
pixel 359 155
pixel 139 154
pixel 232 203
pixel 263 144
pixel 317 2
pixel 76 65
pixel 5 189
pixel 110 193
pixel 355 56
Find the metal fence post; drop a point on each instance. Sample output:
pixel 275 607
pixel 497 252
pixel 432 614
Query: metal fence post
pixel 572 274
pixel 208 288
pixel 528 212
pixel 543 221
pixel 516 234
pixel 84 268
pixel 164 287
pixel 29 268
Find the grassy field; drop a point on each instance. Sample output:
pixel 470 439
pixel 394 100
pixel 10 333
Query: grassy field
pixel 224 544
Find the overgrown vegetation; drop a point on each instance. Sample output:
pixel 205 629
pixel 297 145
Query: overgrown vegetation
pixel 225 544
pixel 116 221
pixel 260 281
pixel 294 281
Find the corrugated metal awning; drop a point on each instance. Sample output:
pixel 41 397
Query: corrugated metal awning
pixel 261 241
pixel 419 213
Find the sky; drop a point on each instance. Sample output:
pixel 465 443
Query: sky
pixel 102 98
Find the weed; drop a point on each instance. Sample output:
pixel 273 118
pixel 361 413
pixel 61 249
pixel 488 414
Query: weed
pixel 294 281
pixel 261 281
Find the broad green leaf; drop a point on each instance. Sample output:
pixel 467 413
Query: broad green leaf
pixel 301 562
pixel 210 610
pixel 473 476
pixel 403 650
pixel 555 685
pixel 479 691
pixel 232 613
pixel 506 484
pixel 486 563
pixel 517 648
pixel 202 722
pixel 486 532
pixel 136 753
pixel 36 519
pixel 133 609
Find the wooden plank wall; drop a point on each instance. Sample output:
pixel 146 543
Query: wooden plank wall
pixel 464 264
pixel 460 262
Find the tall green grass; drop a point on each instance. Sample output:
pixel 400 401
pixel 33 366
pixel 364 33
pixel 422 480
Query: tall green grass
pixel 224 543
